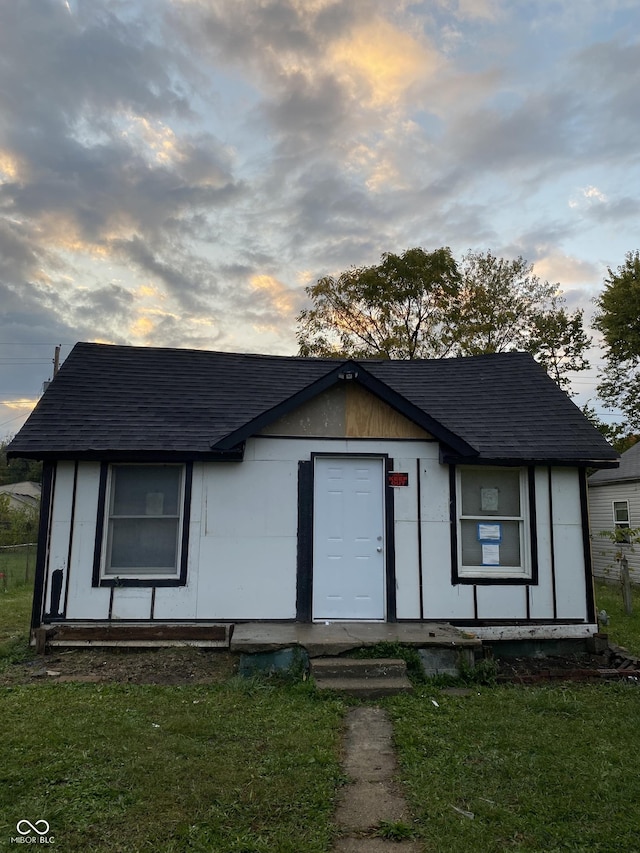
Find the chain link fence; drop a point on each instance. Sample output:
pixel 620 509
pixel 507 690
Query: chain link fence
pixel 17 565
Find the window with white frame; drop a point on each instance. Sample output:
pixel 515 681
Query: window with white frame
pixel 621 517
pixel 143 521
pixel 493 536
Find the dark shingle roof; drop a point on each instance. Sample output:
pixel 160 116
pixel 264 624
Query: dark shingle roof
pixel 629 469
pixel 110 400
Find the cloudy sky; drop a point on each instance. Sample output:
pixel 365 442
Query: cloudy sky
pixel 175 172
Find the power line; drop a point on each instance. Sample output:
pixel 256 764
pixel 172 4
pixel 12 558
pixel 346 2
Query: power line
pixel 15 418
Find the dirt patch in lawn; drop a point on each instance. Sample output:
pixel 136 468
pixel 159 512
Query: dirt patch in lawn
pixel 613 664
pixel 144 666
pixel 190 665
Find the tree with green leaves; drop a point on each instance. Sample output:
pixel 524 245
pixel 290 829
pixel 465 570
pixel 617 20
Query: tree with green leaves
pixel 404 307
pixel 423 305
pixel 17 525
pixel 498 300
pixel 618 319
pixel 17 470
pixel 505 306
pixel 558 341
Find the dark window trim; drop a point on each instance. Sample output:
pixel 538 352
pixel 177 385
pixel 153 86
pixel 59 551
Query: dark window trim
pixel 102 500
pixel 181 578
pixel 483 580
pixel 533 527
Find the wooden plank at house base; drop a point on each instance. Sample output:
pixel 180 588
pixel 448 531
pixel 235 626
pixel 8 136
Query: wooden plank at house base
pixel 524 631
pixel 134 636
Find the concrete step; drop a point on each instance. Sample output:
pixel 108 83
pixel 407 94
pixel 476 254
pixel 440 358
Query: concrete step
pixel 366 688
pixel 359 667
pixel 366 678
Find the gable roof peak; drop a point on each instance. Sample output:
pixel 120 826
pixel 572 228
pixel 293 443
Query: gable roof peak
pixel 111 400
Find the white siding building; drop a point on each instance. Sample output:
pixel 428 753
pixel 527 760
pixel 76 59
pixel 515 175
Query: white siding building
pixel 186 489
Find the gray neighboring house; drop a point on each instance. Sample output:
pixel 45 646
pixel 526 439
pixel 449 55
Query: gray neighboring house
pixel 614 502
pixel 22 495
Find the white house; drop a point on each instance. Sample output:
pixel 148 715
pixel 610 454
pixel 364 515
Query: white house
pixel 186 489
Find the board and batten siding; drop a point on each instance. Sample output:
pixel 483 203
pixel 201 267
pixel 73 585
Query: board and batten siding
pixel 603 550
pixel 243 540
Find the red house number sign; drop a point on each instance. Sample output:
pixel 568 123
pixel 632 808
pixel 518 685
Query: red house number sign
pixel 398 478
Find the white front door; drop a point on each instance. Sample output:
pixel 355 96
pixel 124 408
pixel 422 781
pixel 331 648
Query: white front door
pixel 348 539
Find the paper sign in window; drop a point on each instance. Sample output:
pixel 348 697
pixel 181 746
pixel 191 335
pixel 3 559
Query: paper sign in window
pixel 490 554
pixel 489 500
pixel 489 532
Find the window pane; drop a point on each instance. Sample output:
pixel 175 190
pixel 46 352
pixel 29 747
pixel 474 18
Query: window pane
pixel 491 492
pixel 508 548
pixel 143 545
pixel 621 511
pixel 152 490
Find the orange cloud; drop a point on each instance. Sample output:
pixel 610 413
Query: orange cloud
pixel 566 269
pixel 276 292
pixel 22 403
pixel 142 328
pixel 156 139
pixel 385 59
pixel 9 165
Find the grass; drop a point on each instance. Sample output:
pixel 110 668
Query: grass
pixel 623 629
pixel 17 566
pixel 241 768
pixel 523 769
pixel 250 766
pixel 15 618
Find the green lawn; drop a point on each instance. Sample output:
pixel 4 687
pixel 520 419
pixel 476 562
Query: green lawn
pixel 623 630
pixel 539 769
pixel 239 767
pixel 250 766
pixel 15 618
pixel 17 566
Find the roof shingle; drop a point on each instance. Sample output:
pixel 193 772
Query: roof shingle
pixel 117 399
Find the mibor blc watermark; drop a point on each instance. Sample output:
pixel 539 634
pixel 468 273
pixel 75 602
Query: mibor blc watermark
pixel 33 833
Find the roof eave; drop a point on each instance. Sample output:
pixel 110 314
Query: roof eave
pixel 349 371
pixel 515 461
pixel 114 454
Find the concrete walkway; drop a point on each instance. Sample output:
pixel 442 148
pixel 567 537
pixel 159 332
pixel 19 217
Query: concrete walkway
pixel 372 795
